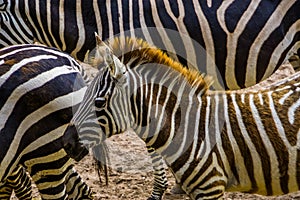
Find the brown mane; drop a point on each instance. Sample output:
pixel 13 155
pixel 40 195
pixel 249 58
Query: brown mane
pixel 132 50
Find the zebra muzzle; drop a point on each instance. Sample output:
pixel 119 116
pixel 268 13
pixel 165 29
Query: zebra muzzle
pixel 72 144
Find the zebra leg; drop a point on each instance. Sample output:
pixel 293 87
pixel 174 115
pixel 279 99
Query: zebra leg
pixel 59 180
pixel 18 181
pixel 51 186
pixel 76 187
pixel 21 183
pixel 5 191
pixel 160 179
pixel 50 175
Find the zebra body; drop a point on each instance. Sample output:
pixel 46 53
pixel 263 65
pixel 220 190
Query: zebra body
pixel 38 87
pixel 245 41
pixel 212 141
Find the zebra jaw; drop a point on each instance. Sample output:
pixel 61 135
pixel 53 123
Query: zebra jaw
pixel 72 145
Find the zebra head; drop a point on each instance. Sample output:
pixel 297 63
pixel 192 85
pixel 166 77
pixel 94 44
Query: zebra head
pixel 14 23
pixel 96 118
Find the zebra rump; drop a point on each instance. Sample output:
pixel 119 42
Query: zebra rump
pixel 39 88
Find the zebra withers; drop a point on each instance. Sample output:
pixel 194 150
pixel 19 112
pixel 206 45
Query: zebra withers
pixel 212 141
pixel 38 87
pixel 246 40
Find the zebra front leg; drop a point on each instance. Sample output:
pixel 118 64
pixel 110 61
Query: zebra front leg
pixel 50 175
pixel 76 187
pixel 160 179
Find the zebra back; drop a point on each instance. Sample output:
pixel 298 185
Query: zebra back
pixel 238 43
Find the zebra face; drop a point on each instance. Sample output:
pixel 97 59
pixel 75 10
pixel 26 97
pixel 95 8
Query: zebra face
pixel 109 109
pixel 101 114
pixel 84 131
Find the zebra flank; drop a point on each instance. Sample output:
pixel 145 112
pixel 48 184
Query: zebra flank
pixel 213 141
pixel 237 42
pixel 38 86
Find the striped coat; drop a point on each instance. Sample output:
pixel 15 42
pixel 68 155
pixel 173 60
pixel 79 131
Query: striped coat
pixel 237 42
pixel 211 140
pixel 38 87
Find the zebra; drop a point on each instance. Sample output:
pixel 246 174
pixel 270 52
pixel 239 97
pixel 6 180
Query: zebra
pixel 18 181
pixel 38 86
pixel 211 140
pixel 239 43
pixel 231 32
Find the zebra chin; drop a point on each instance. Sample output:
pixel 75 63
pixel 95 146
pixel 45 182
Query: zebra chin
pixel 72 145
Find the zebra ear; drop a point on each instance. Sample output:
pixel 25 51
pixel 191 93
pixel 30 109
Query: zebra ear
pixel 117 68
pixel 103 53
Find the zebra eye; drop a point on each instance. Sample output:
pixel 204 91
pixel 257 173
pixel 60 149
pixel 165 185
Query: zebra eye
pixel 100 102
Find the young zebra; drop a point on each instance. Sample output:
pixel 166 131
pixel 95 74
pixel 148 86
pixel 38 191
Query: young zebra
pixel 38 87
pixel 212 141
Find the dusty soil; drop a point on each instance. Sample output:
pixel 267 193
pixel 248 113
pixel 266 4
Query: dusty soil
pixel 130 175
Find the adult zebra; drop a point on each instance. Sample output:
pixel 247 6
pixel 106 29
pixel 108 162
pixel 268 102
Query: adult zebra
pixel 38 86
pixel 246 40
pixel 211 140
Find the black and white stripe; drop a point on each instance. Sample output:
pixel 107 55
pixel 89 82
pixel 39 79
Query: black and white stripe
pixel 212 141
pixel 246 40
pixel 39 86
pixel 19 182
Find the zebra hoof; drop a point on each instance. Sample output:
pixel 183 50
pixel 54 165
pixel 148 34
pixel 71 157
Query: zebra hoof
pixel 177 190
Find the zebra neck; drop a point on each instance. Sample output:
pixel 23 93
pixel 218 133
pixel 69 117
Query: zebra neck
pixel 161 106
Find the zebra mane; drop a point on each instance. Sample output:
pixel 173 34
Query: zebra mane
pixel 133 52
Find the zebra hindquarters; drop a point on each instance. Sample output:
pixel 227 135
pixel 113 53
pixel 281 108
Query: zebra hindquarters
pixel 19 182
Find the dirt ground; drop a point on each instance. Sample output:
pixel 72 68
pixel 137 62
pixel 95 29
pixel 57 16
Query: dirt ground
pixel 130 175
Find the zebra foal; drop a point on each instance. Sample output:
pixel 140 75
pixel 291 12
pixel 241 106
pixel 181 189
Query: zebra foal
pixel 211 140
pixel 38 87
